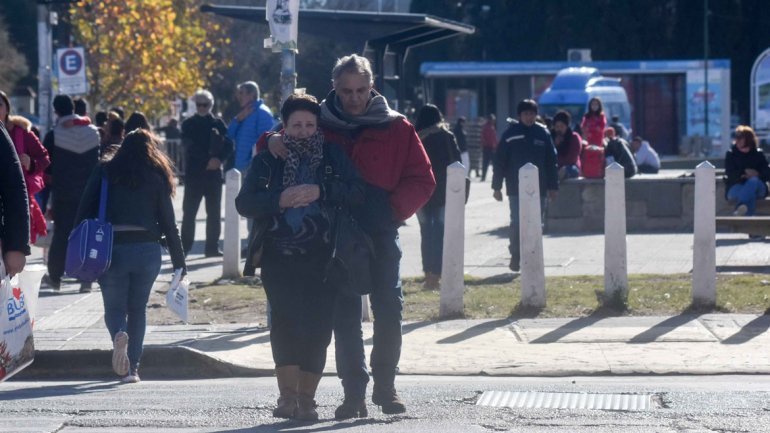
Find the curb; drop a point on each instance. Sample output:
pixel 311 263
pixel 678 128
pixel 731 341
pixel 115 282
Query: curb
pixel 158 362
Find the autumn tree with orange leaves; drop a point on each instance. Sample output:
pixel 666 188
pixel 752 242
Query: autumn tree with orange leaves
pixel 142 54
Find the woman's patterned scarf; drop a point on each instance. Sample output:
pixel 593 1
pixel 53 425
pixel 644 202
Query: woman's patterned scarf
pixel 310 149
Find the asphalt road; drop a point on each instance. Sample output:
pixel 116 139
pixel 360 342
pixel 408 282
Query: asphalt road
pixel 436 404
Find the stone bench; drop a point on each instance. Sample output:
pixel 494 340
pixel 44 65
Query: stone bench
pixel 654 202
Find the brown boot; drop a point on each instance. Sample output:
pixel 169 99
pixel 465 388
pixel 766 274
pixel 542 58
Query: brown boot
pixel 288 380
pixel 387 398
pixel 432 281
pixel 308 383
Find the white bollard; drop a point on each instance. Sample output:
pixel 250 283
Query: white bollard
pixel 231 262
pixel 704 272
pixel 366 311
pixel 615 254
pixel 531 238
pixel 452 262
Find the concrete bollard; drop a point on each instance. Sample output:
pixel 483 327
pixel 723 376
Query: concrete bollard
pixel 231 262
pixel 453 263
pixel 615 254
pixel 531 235
pixel 704 273
pixel 366 311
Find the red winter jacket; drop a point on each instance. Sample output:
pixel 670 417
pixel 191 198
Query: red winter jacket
pixel 392 158
pixel 593 128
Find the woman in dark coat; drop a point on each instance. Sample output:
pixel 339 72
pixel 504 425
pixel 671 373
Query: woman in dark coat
pixel 292 198
pixel 442 149
pixel 746 171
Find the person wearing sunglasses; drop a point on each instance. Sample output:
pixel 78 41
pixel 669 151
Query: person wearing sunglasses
pixel 206 145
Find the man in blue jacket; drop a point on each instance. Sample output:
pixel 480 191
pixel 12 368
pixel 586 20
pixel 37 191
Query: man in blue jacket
pixel 524 141
pixel 254 119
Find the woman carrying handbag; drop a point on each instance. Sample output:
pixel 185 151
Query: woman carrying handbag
pixel 141 185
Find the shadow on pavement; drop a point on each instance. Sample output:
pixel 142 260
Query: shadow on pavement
pixel 665 327
pixel 227 341
pixel 58 390
pixel 474 331
pixel 292 425
pixel 570 327
pixel 752 329
pixel 500 232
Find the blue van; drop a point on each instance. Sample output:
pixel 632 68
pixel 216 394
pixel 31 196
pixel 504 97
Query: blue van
pixel 574 87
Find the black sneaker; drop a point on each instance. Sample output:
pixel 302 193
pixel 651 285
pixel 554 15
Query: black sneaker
pixel 86 287
pixel 50 283
pixel 351 408
pixel 388 400
pixel 514 264
pixel 216 253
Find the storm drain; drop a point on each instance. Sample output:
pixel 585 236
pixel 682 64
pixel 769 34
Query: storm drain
pixel 568 400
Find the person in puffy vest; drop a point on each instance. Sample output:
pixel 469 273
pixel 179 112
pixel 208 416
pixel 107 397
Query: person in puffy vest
pixel 74 152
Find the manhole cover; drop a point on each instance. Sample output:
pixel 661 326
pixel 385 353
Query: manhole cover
pixel 568 400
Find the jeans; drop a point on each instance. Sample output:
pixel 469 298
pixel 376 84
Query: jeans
pixel 514 236
pixel 126 288
pixel 302 310
pixel 194 191
pixel 387 302
pixel 431 238
pixel 646 169
pixel 747 193
pixel 570 171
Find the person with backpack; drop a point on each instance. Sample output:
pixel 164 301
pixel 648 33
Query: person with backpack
pixel 294 197
pixel 140 186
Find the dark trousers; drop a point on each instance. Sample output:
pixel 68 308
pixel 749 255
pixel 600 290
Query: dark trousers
pixel 488 154
pixel 647 169
pixel 387 302
pixel 194 191
pixel 514 234
pixel 302 310
pixel 431 221
pixel 64 213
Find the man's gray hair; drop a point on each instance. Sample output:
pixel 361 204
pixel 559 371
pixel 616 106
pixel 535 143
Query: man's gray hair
pixel 203 96
pixel 251 87
pixel 353 64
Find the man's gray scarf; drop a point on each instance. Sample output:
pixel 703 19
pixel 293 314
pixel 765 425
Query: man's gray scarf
pixel 377 113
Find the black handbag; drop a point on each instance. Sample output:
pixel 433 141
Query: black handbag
pixel 349 269
pixel 256 247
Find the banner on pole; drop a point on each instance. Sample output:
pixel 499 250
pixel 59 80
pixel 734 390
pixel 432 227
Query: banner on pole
pixel 282 15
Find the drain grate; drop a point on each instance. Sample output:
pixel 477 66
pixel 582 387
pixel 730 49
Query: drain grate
pixel 568 400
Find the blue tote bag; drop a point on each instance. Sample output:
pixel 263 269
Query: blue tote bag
pixel 89 248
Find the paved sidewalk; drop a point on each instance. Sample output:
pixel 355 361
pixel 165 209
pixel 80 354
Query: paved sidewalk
pixel 72 340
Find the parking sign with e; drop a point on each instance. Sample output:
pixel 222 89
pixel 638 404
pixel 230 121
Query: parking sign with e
pixel 71 62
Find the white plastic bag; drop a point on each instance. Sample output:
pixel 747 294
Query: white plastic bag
pixel 177 296
pixel 17 347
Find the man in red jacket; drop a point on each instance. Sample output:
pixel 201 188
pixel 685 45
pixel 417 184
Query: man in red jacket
pixel 391 159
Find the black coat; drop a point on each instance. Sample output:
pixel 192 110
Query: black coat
pixel 442 149
pixel 262 187
pixel 736 162
pixel 200 145
pixel 618 149
pixel 519 145
pixel 14 204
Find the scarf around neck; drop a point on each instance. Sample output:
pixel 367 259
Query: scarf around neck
pixel 310 149
pixel 377 112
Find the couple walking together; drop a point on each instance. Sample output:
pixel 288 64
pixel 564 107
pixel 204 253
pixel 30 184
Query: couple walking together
pixel 382 175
